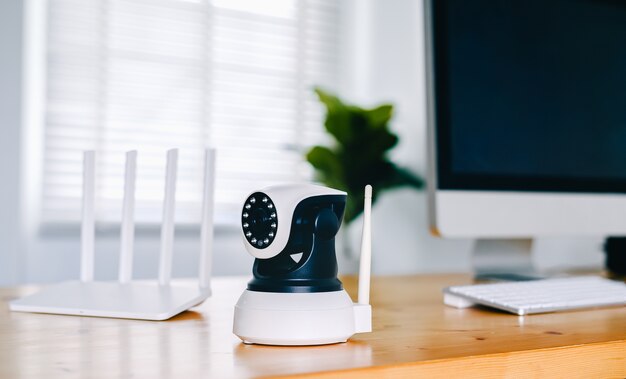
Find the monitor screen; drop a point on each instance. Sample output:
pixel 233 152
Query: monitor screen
pixel 530 95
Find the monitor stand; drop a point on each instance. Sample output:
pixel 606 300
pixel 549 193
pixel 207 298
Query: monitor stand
pixel 503 260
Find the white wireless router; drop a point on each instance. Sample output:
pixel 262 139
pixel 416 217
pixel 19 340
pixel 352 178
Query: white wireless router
pixel 145 300
pixel 295 297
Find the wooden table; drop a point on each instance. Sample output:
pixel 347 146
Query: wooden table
pixel 414 335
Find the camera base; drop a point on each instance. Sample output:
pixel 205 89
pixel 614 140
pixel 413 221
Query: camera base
pixel 292 319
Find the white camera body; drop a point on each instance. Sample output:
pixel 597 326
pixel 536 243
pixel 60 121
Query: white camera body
pixel 284 200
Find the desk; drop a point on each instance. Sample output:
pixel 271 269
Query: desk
pixel 414 335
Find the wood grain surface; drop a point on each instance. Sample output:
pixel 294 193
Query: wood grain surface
pixel 415 335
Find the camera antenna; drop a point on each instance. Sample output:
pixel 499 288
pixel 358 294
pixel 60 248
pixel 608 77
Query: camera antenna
pixel 365 264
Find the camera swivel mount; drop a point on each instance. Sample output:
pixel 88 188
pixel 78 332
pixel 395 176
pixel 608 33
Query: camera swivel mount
pixel 308 262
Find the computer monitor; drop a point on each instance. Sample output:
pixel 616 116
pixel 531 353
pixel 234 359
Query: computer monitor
pixel 526 117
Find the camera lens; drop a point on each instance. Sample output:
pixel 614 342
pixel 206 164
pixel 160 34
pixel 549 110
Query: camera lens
pixel 259 220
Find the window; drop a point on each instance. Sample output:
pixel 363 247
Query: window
pixel 155 74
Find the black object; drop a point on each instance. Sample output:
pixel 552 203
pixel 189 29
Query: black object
pixel 529 95
pixel 260 220
pixel 506 277
pixel 615 249
pixel 316 221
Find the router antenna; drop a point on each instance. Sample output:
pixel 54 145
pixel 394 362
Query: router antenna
pixel 206 231
pixel 167 228
pixel 128 219
pixel 87 231
pixel 127 298
pixel 366 249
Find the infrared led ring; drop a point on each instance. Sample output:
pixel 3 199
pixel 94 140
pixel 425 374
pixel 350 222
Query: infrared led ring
pixel 259 220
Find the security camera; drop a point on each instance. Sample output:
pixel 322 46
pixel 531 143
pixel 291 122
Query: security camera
pixel 295 297
pixel 290 229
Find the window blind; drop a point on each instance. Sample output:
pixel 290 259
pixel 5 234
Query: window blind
pixel 156 74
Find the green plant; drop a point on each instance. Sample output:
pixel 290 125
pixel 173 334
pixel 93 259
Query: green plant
pixel 359 154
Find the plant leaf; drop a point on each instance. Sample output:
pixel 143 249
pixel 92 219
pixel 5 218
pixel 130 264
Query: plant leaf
pixel 337 121
pixel 328 166
pixel 331 102
pixel 359 157
pixel 380 116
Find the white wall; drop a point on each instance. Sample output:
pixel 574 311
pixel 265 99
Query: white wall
pixel 56 257
pixel 382 61
pixel 10 131
pixel 392 74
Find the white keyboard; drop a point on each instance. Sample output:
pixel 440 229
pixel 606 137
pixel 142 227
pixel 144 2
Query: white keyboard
pixel 539 296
